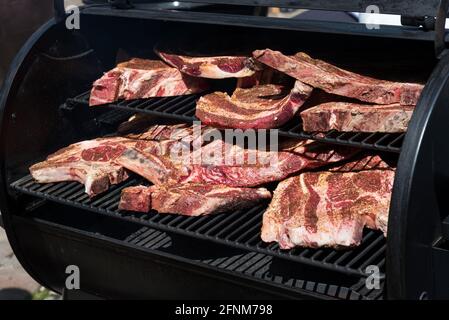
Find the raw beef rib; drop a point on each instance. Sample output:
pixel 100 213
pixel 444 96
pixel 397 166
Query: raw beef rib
pixel 212 67
pixel 139 78
pixel 260 107
pixel 88 162
pixel 136 198
pixel 93 162
pixel 190 199
pixel 226 166
pixel 332 79
pixel 377 220
pixel 328 209
pixel 345 116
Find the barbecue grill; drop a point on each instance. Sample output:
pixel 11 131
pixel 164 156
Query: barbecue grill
pixel 124 255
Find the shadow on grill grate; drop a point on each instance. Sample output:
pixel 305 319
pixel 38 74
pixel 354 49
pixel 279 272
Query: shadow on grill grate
pixel 260 266
pixel 182 108
pixel 239 229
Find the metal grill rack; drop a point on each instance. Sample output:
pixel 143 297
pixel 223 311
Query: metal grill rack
pixel 182 108
pixel 239 229
pixel 258 265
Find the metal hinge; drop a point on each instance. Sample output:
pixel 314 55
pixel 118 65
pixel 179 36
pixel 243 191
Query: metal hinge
pixel 121 4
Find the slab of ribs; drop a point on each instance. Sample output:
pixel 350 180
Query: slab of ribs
pixel 220 67
pixel 354 117
pixel 92 162
pixel 270 166
pixel 330 208
pixel 191 199
pixel 140 78
pixel 260 107
pixel 88 162
pixel 325 76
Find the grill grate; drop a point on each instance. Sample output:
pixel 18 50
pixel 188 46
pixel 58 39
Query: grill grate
pixel 239 229
pixel 182 108
pixel 259 266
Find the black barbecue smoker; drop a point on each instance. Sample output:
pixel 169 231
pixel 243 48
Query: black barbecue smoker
pixel 53 227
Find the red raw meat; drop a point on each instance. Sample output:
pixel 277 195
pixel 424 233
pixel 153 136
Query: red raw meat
pixel 190 199
pixel 323 75
pixel 212 67
pixel 353 117
pixel 330 209
pixel 232 165
pixel 139 78
pixel 260 107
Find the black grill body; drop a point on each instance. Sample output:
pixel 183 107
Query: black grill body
pixel 44 107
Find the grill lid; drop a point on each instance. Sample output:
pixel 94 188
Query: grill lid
pixel 400 7
pixel 426 15
pixel 415 8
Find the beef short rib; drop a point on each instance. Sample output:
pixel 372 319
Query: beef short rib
pixel 232 165
pixel 139 78
pixel 260 107
pixel 88 162
pixel 332 79
pixel 348 117
pixel 94 162
pixel 328 209
pixel 190 199
pixel 212 67
pixel 136 198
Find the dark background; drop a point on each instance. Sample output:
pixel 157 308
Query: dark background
pixel 18 20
